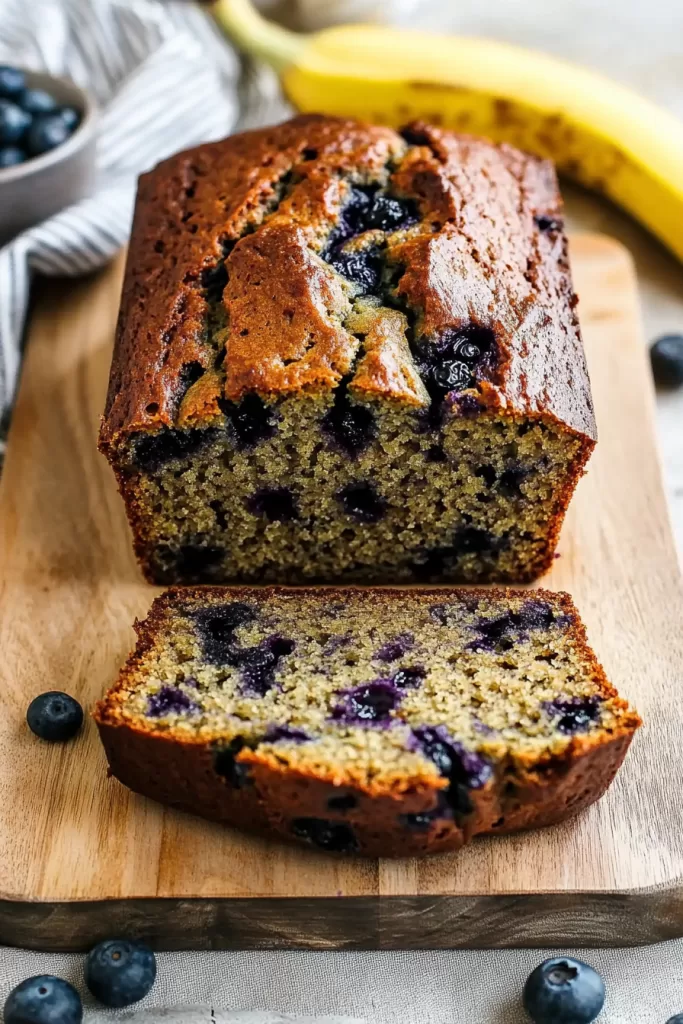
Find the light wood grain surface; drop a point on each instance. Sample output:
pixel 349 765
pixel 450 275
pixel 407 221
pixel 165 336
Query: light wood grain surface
pixel 81 856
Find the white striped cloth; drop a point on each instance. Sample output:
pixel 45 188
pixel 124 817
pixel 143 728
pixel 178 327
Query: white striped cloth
pixel 164 80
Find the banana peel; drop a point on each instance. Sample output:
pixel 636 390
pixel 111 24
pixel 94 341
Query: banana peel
pixel 597 132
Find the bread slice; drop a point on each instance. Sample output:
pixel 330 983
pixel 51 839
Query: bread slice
pixel 384 722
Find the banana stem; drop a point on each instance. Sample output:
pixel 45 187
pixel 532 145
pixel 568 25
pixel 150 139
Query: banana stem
pixel 276 45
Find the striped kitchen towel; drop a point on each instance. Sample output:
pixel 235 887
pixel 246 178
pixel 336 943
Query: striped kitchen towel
pixel 164 79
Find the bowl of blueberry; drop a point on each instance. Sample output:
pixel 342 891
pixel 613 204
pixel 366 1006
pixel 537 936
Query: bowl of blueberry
pixel 47 147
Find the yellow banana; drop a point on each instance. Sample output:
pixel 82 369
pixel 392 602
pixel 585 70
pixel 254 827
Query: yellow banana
pixel 599 133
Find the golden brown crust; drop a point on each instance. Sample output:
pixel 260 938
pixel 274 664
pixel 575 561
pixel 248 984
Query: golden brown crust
pixel 477 256
pixel 527 792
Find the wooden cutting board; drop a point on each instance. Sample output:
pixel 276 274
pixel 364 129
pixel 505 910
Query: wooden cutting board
pixel 81 858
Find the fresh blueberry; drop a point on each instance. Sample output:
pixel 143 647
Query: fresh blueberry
pixel 43 1000
pixel 45 134
pixel 274 503
pixel 290 733
pixel 14 123
pixel 676 1019
pixel 389 214
pixel 362 266
pixel 251 422
pixel 12 82
pixel 394 649
pixel 456 360
pixel 169 700
pixel 575 714
pixel 71 117
pixel 226 765
pixel 369 702
pixel 548 224
pixel 119 972
pixel 332 836
pixel 464 769
pixel 37 102
pixel 152 451
pixel 216 627
pixel 362 502
pixel 350 426
pixel 257 665
pixel 409 677
pixel 10 156
pixel 54 716
pixel 564 991
pixel 666 357
pixel 511 480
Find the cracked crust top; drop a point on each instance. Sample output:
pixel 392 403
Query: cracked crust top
pixel 244 224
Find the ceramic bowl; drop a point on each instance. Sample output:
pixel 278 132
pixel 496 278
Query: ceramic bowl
pixel 32 191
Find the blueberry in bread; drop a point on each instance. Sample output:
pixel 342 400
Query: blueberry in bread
pixel 347 353
pixel 384 722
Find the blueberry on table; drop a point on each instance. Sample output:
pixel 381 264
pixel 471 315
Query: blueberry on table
pixel 14 122
pixel 43 1000
pixel 12 81
pixel 676 1019
pixel 54 716
pixel 38 101
pixel 119 972
pixel 46 133
pixel 666 357
pixel 10 156
pixel 564 991
pixel 71 117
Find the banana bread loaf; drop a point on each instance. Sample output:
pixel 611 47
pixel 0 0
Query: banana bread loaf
pixel 347 353
pixel 387 722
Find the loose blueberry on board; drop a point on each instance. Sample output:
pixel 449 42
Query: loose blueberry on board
pixel 45 134
pixel 38 101
pixel 71 117
pixel 12 82
pixel 54 716
pixel 332 836
pixel 666 357
pixel 14 123
pixel 43 999
pixel 119 972
pixel 10 156
pixel 676 1019
pixel 564 991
